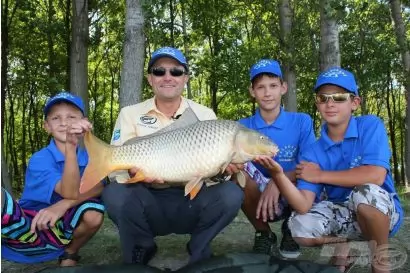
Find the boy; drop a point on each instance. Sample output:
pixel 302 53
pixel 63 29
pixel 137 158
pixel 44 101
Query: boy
pixel 350 162
pixel 292 132
pixel 52 220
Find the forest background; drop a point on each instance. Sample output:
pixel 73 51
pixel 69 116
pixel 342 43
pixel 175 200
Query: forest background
pixel 99 49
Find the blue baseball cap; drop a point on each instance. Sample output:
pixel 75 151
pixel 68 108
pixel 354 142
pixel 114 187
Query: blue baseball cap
pixel 337 76
pixel 169 52
pixel 266 66
pixel 64 97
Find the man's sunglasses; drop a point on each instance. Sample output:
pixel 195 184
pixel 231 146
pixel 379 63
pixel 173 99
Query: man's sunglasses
pixel 175 72
pixel 337 97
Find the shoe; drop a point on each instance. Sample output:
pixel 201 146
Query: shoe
pixel 142 255
pixel 288 248
pixel 265 242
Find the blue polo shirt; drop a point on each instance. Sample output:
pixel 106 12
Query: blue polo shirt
pixel 365 143
pixel 292 132
pixel 44 170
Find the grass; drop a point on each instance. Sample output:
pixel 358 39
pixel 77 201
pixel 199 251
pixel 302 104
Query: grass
pixel 237 237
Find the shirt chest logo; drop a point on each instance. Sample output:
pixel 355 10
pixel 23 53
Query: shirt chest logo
pixel 148 120
pixel 287 153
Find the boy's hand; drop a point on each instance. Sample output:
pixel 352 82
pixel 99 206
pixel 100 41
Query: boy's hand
pixel 233 168
pixel 268 202
pixel 271 165
pixel 308 171
pixel 76 130
pixel 47 217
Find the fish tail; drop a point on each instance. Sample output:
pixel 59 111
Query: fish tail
pixel 99 161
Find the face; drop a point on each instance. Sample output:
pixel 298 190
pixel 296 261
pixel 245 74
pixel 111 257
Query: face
pixel 268 92
pixel 336 113
pixel 167 87
pixel 59 117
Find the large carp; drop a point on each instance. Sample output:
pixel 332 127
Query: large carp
pixel 187 154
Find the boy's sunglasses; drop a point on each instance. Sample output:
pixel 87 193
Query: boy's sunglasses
pixel 337 97
pixel 175 72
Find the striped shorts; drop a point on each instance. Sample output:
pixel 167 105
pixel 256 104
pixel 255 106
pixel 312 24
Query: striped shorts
pixel 16 222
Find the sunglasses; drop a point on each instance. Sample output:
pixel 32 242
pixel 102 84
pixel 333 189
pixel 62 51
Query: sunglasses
pixel 175 72
pixel 337 97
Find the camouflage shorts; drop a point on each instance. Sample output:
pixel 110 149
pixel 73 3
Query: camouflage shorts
pixel 339 219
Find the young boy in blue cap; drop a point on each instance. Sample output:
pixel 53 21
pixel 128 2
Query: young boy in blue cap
pixel 51 220
pixel 292 132
pixel 350 163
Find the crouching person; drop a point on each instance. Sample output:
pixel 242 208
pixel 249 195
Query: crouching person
pixel 349 163
pixel 52 220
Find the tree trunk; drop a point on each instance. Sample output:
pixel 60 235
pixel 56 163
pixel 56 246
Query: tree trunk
pixel 134 50
pixel 186 47
pixel 405 56
pixel 329 33
pixel 79 55
pixel 286 17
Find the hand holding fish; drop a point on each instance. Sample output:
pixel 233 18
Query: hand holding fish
pixel 273 167
pixel 308 171
pixel 76 130
pixel 133 171
pixel 233 168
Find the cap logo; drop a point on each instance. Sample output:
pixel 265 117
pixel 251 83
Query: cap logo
pixel 262 63
pixel 63 95
pixel 334 73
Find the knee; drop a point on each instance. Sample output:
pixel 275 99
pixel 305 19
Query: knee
pixel 306 231
pixel 93 219
pixel 231 197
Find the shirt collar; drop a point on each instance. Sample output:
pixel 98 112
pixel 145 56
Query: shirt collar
pixel 351 132
pixel 279 123
pixel 82 156
pixel 150 107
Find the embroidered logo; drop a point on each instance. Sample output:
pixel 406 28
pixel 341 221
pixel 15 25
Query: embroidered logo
pixel 262 63
pixel 148 119
pixel 334 73
pixel 287 153
pixel 116 135
pixel 356 162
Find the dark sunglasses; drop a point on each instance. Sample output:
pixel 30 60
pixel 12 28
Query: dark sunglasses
pixel 337 97
pixel 175 72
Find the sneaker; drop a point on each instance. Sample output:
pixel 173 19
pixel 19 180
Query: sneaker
pixel 142 255
pixel 288 248
pixel 265 242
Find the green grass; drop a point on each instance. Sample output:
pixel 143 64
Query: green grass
pixel 237 237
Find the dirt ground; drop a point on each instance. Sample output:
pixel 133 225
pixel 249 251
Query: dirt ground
pixel 237 237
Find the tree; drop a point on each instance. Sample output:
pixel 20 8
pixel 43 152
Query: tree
pixel 79 47
pixel 329 33
pixel 133 54
pixel 405 56
pixel 286 17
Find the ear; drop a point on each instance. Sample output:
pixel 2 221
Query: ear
pixel 284 88
pixel 149 78
pixel 251 92
pixel 356 103
pixel 186 78
pixel 46 126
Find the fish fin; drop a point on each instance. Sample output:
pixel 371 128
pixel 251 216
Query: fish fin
pixel 138 177
pixel 193 187
pixel 240 177
pixel 99 162
pixel 187 118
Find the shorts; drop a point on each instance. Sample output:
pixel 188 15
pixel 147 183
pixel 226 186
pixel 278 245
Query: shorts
pixel 16 222
pixel 327 218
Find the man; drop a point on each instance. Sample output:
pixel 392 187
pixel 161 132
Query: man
pixel 143 211
pixel 350 162
pixel 292 132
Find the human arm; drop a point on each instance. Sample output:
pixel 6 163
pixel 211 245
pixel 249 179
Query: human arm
pixel 311 172
pixel 300 200
pixel 69 184
pixel 47 217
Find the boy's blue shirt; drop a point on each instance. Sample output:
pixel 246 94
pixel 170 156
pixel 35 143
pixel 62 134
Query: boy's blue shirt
pixel 44 170
pixel 292 132
pixel 365 143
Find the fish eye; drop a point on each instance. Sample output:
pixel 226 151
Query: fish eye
pixel 261 137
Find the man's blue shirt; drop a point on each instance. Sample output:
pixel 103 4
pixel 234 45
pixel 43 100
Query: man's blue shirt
pixel 292 132
pixel 365 143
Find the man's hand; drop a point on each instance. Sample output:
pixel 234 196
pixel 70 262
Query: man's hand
pixel 76 130
pixel 308 171
pixel 133 171
pixel 233 168
pixel 268 204
pixel 47 218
